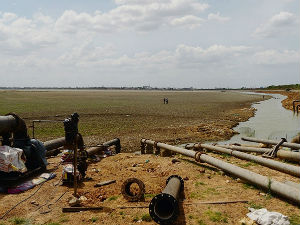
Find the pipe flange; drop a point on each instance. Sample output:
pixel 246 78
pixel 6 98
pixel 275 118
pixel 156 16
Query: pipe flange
pixel 198 156
pixel 179 177
pixel 197 147
pixel 172 206
pixel 128 195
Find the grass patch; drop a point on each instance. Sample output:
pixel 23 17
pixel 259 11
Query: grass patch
pixel 195 195
pixel 94 219
pixel 200 222
pixel 254 205
pixel 245 165
pixel 248 186
pixel 197 184
pixel 112 198
pixel 294 219
pixel 18 221
pixel 146 217
pixel 215 216
pixel 225 155
pixel 149 195
pixel 211 191
pixel 136 219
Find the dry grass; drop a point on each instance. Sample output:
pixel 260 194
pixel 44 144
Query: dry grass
pixel 131 115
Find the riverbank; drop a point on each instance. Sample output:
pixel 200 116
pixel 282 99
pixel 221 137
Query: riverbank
pixel 291 96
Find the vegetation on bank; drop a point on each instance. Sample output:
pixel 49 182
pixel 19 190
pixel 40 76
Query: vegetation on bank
pixel 284 87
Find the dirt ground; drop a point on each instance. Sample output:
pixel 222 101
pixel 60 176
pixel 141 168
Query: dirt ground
pixel 192 117
pixel 202 183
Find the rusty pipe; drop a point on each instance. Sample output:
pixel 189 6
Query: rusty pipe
pixel 272 142
pixel 282 167
pixel 294 104
pixel 282 154
pixel 163 207
pixel 264 182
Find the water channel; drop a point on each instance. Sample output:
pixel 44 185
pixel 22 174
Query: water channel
pixel 271 121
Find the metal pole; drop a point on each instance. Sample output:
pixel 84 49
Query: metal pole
pixel 294 104
pixel 163 207
pixel 289 155
pixel 283 167
pixel 75 167
pixel 264 182
pixel 272 142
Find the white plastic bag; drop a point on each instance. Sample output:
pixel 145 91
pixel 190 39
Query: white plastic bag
pixel 12 159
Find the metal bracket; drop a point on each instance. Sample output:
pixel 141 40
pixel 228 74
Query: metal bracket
pixel 273 153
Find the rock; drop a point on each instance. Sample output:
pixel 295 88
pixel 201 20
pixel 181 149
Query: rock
pixel 186 178
pixel 95 170
pixel 82 199
pixel 134 169
pixel 74 202
pixel 202 170
pixel 175 161
pixel 227 181
pixel 34 203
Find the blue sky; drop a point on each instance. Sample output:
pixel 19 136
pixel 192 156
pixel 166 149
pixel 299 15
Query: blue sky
pixel 163 43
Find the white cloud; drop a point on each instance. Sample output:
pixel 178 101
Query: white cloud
pixel 276 25
pixel 217 17
pixel 275 57
pixel 141 15
pixel 189 21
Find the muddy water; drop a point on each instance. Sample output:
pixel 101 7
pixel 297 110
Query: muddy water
pixel 271 121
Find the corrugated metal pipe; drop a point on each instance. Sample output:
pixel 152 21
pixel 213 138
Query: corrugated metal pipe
pixel 283 167
pixel 283 154
pixel 272 142
pixel 264 182
pixel 163 207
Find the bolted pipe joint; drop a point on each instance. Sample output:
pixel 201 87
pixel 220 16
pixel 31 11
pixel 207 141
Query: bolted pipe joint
pixel 164 207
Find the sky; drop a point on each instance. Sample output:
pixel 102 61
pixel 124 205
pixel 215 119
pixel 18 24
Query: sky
pixel 161 43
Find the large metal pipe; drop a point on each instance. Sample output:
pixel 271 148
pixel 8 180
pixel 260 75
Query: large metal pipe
pixel 272 142
pixel 289 155
pixel 163 207
pixel 105 145
pixel 264 182
pixel 283 167
pixel 7 124
pixel 55 143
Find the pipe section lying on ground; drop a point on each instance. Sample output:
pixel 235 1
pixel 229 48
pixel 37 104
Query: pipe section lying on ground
pixel 272 142
pixel 55 143
pixel 289 155
pixel 105 145
pixel 164 207
pixel 264 182
pixel 7 124
pixel 283 167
